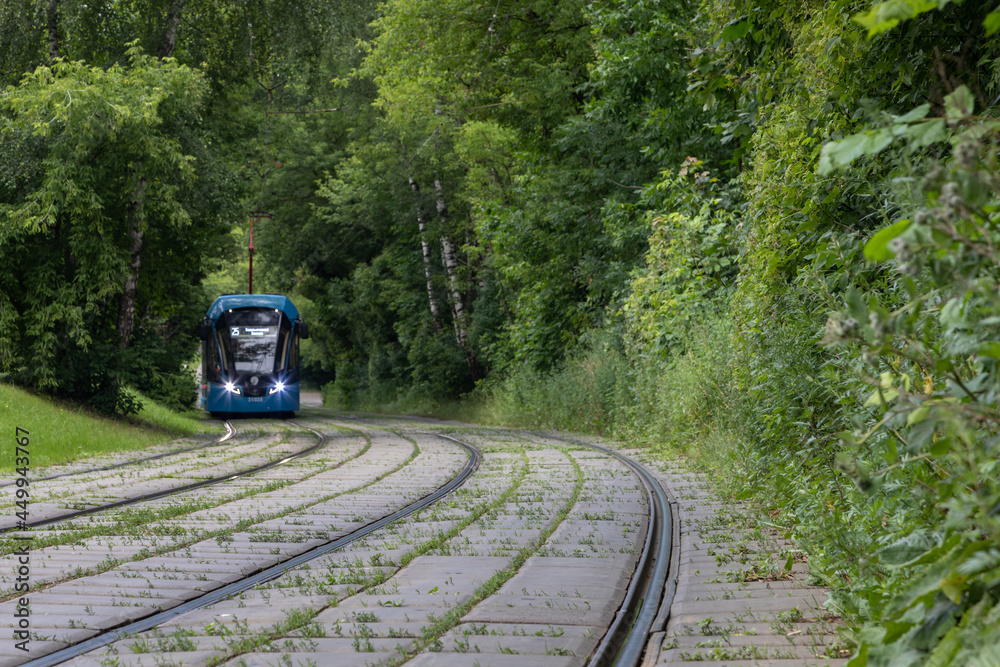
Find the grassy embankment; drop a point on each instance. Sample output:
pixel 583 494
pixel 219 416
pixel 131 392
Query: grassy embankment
pixel 61 431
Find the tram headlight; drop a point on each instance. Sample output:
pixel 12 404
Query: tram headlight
pixel 232 388
pixel 276 388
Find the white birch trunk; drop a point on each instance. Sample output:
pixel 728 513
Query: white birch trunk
pixel 435 313
pixel 457 303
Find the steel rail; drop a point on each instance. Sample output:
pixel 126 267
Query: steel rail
pixel 230 432
pixel 131 628
pixel 645 608
pixel 321 440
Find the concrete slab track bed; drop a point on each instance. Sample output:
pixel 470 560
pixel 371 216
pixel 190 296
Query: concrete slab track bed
pixel 525 556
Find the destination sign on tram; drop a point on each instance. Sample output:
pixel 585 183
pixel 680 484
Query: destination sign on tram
pixel 253 331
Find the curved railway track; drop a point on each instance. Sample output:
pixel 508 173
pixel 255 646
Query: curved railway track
pixel 349 472
pixel 230 432
pixel 154 495
pixel 646 607
pixel 264 575
pixel 551 546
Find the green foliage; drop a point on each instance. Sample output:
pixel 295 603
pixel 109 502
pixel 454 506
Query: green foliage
pixel 101 148
pixel 585 394
pixel 639 81
pixel 661 369
pixel 878 449
pixel 912 128
pixel 935 408
pixel 692 261
pixel 21 26
pixel 806 221
pixel 176 391
pixel 63 431
pixel 551 254
pixel 887 15
pixel 542 159
pixel 440 63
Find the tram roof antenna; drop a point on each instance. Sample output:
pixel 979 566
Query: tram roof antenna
pixel 253 218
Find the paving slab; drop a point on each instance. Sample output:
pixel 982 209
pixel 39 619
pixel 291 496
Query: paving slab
pixel 735 603
pixel 357 606
pixel 73 609
pixel 492 660
pixel 340 659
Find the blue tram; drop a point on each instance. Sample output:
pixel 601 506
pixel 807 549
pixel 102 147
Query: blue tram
pixel 250 355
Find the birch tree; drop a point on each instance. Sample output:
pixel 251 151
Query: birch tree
pixel 426 251
pixel 450 258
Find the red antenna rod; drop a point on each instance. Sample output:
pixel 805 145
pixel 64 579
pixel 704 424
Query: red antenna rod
pixel 250 290
pixel 254 218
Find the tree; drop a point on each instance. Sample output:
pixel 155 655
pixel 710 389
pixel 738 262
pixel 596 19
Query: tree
pixel 114 166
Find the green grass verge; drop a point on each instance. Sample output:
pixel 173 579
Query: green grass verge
pixel 153 415
pixel 61 431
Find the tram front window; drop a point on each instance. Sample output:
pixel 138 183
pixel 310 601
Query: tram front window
pixel 250 339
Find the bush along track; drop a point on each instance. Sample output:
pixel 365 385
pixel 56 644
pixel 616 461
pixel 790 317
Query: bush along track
pixel 924 450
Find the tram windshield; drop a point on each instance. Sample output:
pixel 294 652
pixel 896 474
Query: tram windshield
pixel 254 339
